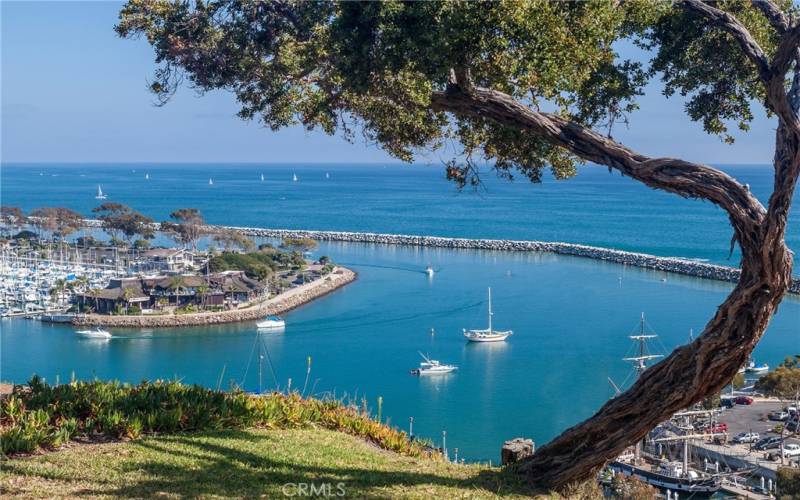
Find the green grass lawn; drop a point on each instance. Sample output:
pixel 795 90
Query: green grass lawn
pixel 251 463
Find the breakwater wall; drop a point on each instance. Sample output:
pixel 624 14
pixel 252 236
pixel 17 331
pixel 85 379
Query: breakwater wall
pixel 667 264
pixel 279 304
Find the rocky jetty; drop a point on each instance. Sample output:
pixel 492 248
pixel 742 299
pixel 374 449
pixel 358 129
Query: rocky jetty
pixel 667 264
pixel 279 304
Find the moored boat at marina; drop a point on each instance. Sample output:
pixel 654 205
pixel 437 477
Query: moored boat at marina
pixel 751 367
pixel 672 476
pixel 489 334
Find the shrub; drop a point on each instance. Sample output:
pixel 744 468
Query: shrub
pixel 45 416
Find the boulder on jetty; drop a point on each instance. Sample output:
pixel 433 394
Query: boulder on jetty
pixel 515 450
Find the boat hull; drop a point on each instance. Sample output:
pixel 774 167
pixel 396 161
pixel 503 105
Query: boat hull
pixel 478 336
pixel 271 325
pixel 705 486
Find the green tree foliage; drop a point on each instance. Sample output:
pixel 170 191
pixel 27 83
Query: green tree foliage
pixel 120 220
pixel 788 483
pixel 186 227
pixel 231 238
pixel 260 265
pixel 341 65
pixel 783 382
pixel 300 244
pixel 59 221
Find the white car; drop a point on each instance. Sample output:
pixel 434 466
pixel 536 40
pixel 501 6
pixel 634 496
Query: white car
pixel 791 450
pixel 746 437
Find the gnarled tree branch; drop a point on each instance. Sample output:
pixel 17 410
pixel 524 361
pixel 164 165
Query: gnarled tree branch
pixel 676 176
pixel 773 13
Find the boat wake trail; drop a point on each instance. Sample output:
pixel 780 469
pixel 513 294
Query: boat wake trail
pixel 415 270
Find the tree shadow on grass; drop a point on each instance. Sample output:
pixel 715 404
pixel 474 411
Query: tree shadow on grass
pixel 222 468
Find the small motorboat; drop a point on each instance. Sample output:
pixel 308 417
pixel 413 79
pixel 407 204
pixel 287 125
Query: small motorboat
pixel 97 333
pixel 271 323
pixel 489 334
pixel 432 367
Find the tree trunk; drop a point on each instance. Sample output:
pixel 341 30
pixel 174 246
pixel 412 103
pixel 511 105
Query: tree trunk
pixel 698 369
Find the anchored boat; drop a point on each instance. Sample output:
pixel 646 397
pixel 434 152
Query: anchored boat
pixel 100 195
pixel 487 335
pixel 432 367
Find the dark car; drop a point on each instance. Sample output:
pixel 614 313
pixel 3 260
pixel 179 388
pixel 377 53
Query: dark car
pixel 744 400
pixel 727 403
pixel 768 443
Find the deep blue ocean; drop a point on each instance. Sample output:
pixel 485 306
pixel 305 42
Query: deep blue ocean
pixel 571 317
pixel 593 208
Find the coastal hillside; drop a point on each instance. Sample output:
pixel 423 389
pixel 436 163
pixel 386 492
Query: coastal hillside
pixel 252 464
pixel 105 439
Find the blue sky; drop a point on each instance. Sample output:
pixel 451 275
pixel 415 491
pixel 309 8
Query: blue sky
pixel 74 92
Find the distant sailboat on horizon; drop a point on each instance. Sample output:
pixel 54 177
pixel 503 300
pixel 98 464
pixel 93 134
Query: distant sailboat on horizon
pixel 294 177
pixel 327 175
pixel 210 182
pixel 147 177
pixel 262 177
pixel 100 195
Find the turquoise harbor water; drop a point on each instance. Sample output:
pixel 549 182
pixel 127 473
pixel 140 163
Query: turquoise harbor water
pixel 571 317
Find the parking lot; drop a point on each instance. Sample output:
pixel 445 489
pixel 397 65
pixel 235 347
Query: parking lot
pixel 752 418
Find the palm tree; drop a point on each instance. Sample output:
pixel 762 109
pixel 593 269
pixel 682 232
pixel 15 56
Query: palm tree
pixel 176 284
pixel 127 295
pixel 202 291
pixel 95 292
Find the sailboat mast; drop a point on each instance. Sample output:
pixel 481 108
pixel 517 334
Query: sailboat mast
pixel 490 309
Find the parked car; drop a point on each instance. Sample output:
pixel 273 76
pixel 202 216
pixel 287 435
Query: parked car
pixel 746 437
pixel 743 400
pixel 715 428
pixel 792 425
pixel 768 443
pixel 778 415
pixel 727 402
pixel 791 450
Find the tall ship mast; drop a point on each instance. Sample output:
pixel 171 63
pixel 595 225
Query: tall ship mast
pixel 642 355
pixel 668 475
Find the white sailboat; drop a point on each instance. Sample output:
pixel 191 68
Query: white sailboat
pixel 432 367
pixel 100 195
pixel 147 177
pixel 210 182
pixel 294 177
pixel 262 177
pixel 487 335
pixel 327 175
